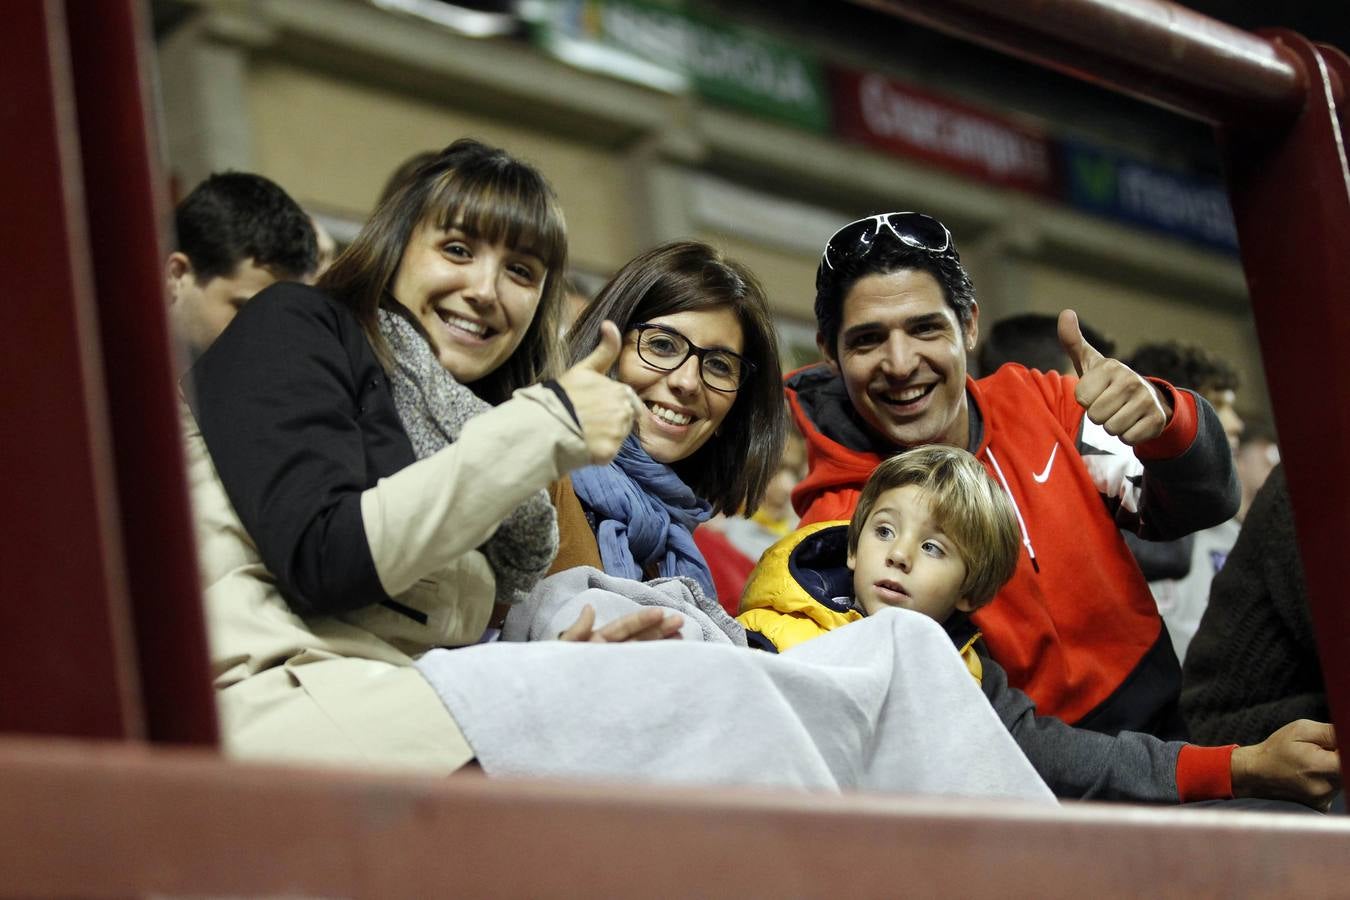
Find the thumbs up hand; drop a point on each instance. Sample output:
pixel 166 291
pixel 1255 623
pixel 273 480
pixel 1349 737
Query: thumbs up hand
pixel 605 408
pixel 1113 394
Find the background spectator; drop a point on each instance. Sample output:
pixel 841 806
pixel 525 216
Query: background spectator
pixel 1253 664
pixel 1179 572
pixel 1257 457
pixel 237 233
pixel 1193 367
pixel 1032 339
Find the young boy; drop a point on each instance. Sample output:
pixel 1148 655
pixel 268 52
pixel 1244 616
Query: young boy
pixel 934 534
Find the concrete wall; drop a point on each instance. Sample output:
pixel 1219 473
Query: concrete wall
pixel 332 142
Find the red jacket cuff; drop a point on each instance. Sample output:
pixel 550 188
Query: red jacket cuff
pixel 1205 773
pixel 1181 428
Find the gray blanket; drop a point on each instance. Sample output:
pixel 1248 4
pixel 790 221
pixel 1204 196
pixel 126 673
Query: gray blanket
pixel 884 704
pixel 557 601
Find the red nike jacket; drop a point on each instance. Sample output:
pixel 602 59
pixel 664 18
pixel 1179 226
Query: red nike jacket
pixel 1076 628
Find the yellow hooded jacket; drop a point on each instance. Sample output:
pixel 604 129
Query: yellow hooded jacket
pixel 803 588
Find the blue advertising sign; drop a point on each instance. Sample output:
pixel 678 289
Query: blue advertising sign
pixel 1114 185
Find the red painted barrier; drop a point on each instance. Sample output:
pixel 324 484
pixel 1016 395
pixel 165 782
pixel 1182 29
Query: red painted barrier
pixel 67 666
pixel 127 216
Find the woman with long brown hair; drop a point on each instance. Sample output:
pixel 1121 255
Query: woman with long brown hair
pixel 363 499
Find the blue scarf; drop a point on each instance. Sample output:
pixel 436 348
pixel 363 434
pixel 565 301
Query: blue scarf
pixel 646 515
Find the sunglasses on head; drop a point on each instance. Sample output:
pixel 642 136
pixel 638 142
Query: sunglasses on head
pixel 856 239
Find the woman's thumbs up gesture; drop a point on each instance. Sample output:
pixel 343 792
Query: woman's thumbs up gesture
pixel 605 408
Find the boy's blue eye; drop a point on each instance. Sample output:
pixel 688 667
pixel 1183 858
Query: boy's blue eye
pixel 932 548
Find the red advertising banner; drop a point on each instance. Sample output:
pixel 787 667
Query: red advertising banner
pixel 906 121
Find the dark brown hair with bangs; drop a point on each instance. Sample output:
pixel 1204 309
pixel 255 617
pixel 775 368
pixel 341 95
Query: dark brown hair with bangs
pixel 733 468
pixel 490 195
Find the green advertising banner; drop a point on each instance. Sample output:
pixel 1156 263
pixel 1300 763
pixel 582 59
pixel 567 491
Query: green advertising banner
pixel 668 46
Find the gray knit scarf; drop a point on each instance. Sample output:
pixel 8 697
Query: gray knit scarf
pixel 434 408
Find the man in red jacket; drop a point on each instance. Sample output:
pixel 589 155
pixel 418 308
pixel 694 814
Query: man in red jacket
pixel 1076 627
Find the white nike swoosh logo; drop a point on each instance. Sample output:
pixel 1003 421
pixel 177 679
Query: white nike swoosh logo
pixel 1044 476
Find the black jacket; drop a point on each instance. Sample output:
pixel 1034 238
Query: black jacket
pixel 299 418
pixel 1252 666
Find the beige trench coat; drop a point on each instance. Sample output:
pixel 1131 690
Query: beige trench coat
pixel 342 690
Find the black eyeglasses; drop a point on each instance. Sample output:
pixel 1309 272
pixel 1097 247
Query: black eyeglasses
pixel 856 239
pixel 666 349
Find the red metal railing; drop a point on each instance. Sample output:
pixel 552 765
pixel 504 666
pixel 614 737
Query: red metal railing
pixel 1155 51
pixel 101 620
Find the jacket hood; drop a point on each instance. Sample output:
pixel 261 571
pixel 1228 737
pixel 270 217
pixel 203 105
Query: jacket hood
pixel 839 452
pixel 806 574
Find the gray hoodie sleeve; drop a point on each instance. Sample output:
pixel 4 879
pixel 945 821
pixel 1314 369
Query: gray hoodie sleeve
pixel 1079 764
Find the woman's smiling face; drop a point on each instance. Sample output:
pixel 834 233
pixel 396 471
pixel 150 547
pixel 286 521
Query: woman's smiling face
pixel 475 298
pixel 681 411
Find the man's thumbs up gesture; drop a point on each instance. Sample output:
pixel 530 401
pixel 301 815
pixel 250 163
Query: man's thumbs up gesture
pixel 605 408
pixel 1112 393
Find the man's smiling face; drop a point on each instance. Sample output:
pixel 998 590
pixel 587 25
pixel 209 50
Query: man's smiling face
pixel 902 355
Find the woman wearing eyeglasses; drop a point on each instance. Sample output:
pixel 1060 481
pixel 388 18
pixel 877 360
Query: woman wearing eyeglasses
pixel 372 485
pixel 699 350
